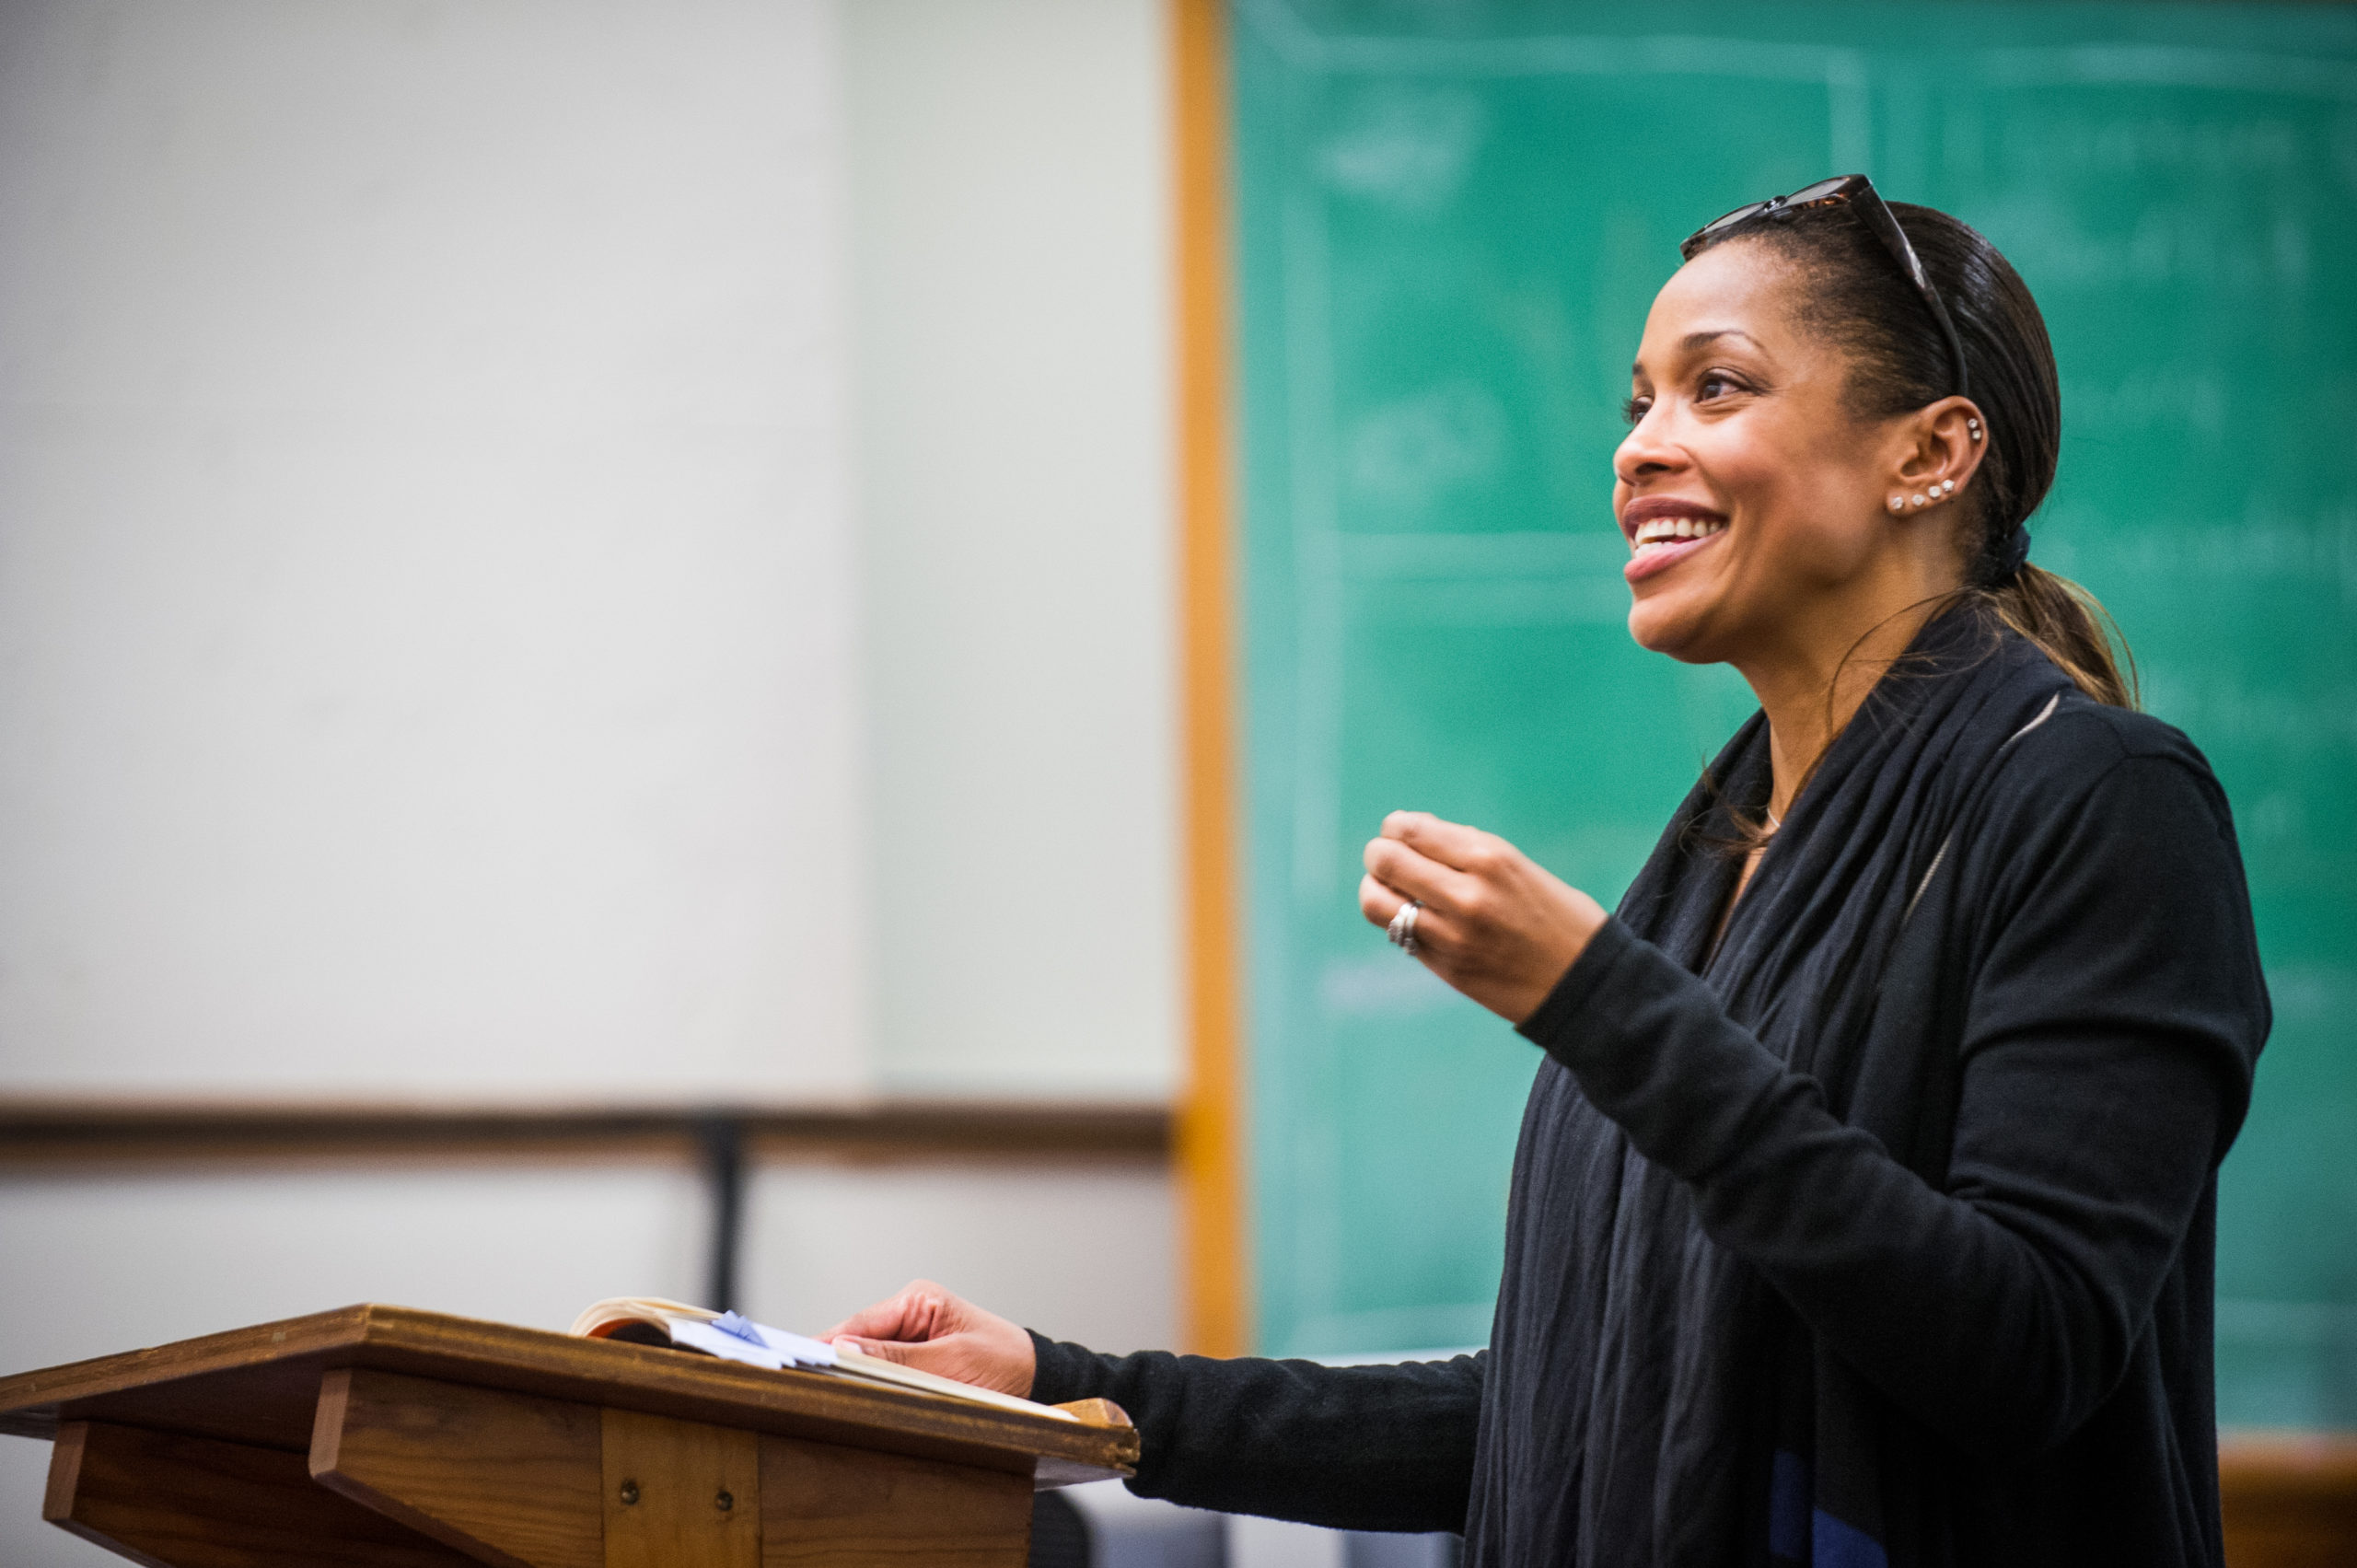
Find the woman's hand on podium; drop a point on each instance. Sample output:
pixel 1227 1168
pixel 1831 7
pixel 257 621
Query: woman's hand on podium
pixel 927 1327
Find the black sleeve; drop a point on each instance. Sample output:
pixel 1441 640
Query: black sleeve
pixel 1349 1447
pixel 2111 1023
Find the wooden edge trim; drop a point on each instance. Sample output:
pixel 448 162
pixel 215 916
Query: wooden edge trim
pixel 55 1134
pixel 1097 1412
pixel 44 1388
pixel 326 1421
pixel 2264 1466
pixel 1210 1133
pixel 65 1472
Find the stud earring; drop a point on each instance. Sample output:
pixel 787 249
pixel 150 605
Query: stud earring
pixel 1918 500
pixel 1974 425
pixel 1898 503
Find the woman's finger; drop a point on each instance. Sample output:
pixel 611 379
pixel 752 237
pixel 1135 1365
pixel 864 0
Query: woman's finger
pixel 944 1357
pixel 1435 933
pixel 1452 844
pixel 1415 876
pixel 882 1349
pixel 886 1320
pixel 918 1310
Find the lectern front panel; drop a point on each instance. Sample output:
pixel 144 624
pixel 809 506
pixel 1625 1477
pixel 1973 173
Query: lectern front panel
pixel 828 1507
pixel 680 1493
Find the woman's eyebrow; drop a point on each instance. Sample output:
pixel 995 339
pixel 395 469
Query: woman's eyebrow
pixel 1694 343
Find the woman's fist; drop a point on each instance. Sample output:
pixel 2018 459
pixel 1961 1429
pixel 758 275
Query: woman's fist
pixel 1494 924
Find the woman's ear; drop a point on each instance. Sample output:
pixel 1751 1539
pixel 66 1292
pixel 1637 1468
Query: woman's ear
pixel 1941 452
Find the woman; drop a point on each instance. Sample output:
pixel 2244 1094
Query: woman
pixel 1863 1207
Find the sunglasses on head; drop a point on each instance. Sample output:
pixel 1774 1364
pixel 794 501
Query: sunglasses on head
pixel 1856 192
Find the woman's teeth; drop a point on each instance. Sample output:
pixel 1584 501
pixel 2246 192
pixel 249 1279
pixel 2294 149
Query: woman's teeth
pixel 1669 531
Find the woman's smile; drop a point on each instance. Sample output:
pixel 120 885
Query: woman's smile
pixel 1663 532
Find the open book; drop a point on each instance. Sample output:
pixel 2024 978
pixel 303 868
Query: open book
pixel 649 1319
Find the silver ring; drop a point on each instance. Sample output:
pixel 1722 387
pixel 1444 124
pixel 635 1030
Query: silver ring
pixel 1402 929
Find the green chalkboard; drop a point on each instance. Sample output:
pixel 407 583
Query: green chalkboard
pixel 1452 218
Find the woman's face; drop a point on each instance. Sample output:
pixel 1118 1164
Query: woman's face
pixel 1751 500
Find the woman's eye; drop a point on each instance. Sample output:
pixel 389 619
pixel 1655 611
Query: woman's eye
pixel 1634 409
pixel 1716 384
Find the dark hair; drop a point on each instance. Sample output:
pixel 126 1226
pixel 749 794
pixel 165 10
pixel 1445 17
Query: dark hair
pixel 1855 295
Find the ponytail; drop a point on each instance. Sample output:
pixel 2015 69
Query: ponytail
pixel 2068 625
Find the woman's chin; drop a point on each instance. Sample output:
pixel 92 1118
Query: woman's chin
pixel 1659 623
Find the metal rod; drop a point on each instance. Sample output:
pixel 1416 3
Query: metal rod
pixel 724 1163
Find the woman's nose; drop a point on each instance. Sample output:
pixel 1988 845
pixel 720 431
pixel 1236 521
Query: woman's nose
pixel 1644 452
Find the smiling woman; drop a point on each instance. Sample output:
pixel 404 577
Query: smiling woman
pixel 1863 1207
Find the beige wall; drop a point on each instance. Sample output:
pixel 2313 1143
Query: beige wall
pixel 427 566
pixel 1009 207
pixel 584 551
pixel 546 538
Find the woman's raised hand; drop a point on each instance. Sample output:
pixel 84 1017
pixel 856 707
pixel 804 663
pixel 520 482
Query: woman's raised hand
pixel 1494 924
pixel 927 1327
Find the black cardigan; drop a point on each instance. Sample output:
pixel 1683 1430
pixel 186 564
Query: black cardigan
pixel 1986 1317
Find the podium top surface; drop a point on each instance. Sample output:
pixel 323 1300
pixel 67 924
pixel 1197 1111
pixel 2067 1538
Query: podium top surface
pixel 261 1385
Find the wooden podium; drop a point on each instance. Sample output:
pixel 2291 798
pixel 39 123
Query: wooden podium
pixel 381 1436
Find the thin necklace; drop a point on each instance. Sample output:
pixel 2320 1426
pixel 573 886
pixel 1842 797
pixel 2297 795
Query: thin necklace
pixel 1774 821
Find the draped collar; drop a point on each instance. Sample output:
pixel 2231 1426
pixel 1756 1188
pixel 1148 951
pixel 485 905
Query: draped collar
pixel 1798 956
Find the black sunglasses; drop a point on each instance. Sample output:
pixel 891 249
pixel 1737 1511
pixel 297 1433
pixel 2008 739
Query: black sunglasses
pixel 1857 193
